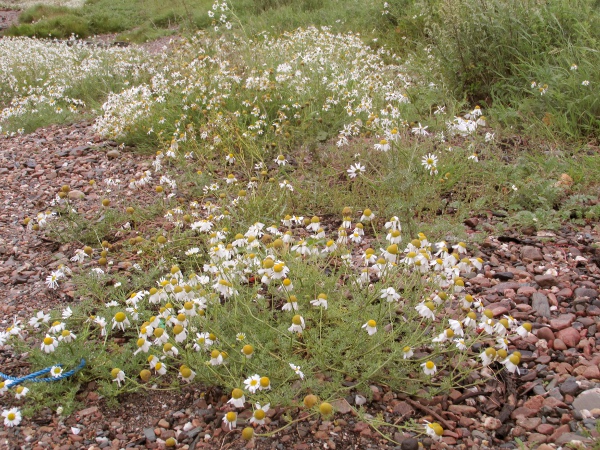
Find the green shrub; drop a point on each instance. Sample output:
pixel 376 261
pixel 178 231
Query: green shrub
pixel 40 12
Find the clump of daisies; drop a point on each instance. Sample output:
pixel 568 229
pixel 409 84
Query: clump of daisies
pixel 238 310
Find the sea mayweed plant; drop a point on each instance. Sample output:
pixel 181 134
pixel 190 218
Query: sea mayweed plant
pixel 61 78
pixel 215 89
pixel 273 311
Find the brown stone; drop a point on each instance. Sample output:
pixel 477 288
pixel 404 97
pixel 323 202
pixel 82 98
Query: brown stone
pixel 558 344
pixel 462 409
pixel 321 435
pixel 342 406
pixel 545 428
pixel 88 411
pixel 552 402
pixel 522 412
pixel 537 437
pixel 545 333
pixel 534 403
pixel 591 373
pixel 562 322
pixel 527 291
pixel 529 423
pixel 570 336
pixel 531 253
pixel 75 195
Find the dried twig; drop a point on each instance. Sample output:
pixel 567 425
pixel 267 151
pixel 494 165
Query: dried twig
pixel 427 410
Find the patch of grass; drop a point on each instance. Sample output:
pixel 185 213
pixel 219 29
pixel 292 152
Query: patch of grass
pixel 533 61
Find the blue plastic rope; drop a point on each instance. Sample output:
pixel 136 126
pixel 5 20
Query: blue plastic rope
pixel 33 376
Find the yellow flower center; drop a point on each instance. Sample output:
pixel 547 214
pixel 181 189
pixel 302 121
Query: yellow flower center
pixel 491 352
pixel 259 414
pixel 48 341
pixel 11 416
pixel 231 416
pixel 430 365
pixel 120 316
pixel 237 393
pixel 371 323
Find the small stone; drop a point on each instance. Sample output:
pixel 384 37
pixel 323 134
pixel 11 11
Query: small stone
pixel 545 447
pixel 531 253
pixel 591 373
pixel 504 276
pixel 409 444
pixel 534 403
pixel 341 406
pixel 559 345
pixel 88 411
pixel 562 322
pixel 321 435
pixel 583 292
pixel 31 163
pixel 149 434
pixel 522 412
pixel 75 195
pixel 403 409
pixel 569 386
pixel 537 437
pixel 462 409
pixel 545 428
pixel 570 336
pixel 472 222
pixel 546 281
pixel 588 400
pixel 545 333
pixel 491 423
pixel 540 304
pixel 526 291
pixel 164 424
pixel 568 437
pixel 529 423
pixel 111 154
